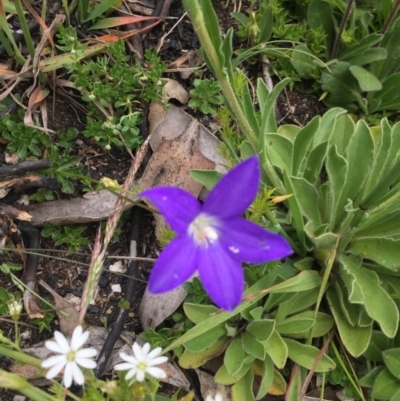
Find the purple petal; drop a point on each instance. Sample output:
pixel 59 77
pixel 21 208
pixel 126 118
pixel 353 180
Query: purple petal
pixel 175 265
pixel 179 207
pixel 222 276
pixel 249 242
pixel 235 191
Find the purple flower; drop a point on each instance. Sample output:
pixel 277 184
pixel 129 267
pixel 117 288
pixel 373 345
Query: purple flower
pixel 211 238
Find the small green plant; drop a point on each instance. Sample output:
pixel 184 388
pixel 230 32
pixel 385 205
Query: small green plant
pixel 64 168
pixel 196 293
pixel 206 95
pixel 113 90
pixel 23 140
pixel 68 235
pixel 44 323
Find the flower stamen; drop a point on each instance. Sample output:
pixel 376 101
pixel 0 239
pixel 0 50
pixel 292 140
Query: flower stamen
pixel 203 230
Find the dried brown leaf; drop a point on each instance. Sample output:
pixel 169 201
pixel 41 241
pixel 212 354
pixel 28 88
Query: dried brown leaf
pixel 67 312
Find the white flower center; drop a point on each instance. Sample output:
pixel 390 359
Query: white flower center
pixel 203 229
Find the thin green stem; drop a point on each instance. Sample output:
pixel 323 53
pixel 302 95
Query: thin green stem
pixel 20 356
pixel 346 371
pixel 5 42
pixel 6 29
pixel 230 149
pixel 327 272
pixel 275 223
pixel 25 28
pixel 13 382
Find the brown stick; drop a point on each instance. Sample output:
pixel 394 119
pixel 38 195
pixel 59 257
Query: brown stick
pixel 23 168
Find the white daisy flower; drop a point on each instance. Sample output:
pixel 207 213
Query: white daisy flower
pixel 71 355
pixel 218 397
pixel 142 362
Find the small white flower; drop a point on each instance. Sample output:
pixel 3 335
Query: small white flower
pixel 15 309
pixel 71 355
pixel 218 397
pixel 142 362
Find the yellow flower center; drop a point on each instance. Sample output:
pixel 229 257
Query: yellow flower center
pixel 203 230
pixel 142 366
pixel 71 356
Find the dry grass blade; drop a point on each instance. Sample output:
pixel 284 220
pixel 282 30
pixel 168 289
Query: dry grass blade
pixel 99 251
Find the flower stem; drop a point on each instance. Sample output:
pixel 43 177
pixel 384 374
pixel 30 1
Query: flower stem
pixel 20 357
pixel 346 371
pixel 275 223
pixel 13 382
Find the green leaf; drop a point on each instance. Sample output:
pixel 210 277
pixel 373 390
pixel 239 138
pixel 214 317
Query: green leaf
pixel 234 356
pixel 383 142
pixel 307 198
pixel 388 96
pixel 302 144
pixel 206 339
pixel 243 388
pixel 359 48
pixel 276 349
pixel 104 6
pixel 197 313
pixel 223 377
pixel 391 358
pixel 385 385
pixel 369 379
pixel 243 19
pixel 351 311
pixel 261 329
pixel 278 386
pixel 4 298
pixel 305 355
pixel 327 125
pixel 301 301
pixel 381 306
pixel 379 343
pixel 355 339
pixel 359 156
pixel 385 251
pixel 294 387
pixel 368 82
pixel 302 282
pixel 370 56
pixel 387 226
pixel 315 162
pixel 339 81
pixel 297 217
pixel 248 109
pixel 265 24
pixel 192 360
pixel 336 167
pixel 342 133
pixel 265 369
pixel 303 61
pixel 280 151
pixel 295 324
pixel 267 105
pixel 320 14
pixel 391 43
pixel 252 346
pixel 323 324
pixel 206 177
